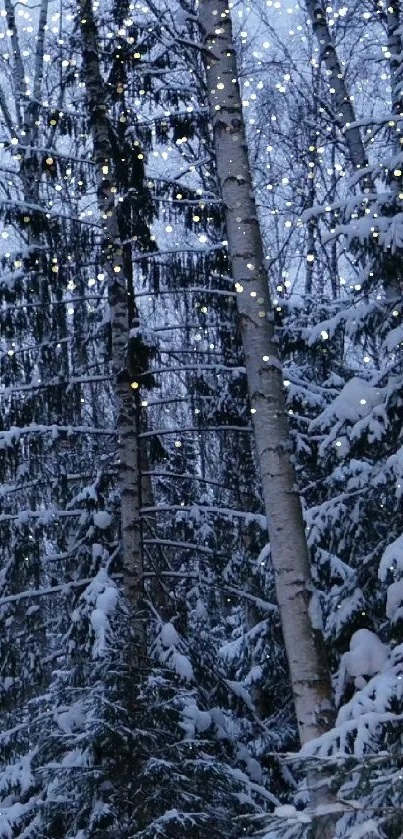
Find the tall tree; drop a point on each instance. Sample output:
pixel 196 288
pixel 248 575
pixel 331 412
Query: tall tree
pixel 309 675
pixel 121 302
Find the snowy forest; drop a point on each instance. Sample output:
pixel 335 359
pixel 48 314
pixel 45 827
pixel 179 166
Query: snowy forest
pixel 201 394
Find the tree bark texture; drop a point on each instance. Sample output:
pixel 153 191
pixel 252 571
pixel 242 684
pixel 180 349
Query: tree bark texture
pixel 344 108
pixel 290 557
pixel 395 61
pixel 114 267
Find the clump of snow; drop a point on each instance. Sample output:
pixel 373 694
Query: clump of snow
pixel 368 829
pixel 10 817
pixel 343 446
pixel 392 558
pixel 350 605
pixel 97 550
pixel 367 654
pixel 285 811
pixel 253 767
pixel 102 594
pixel 315 611
pixel 366 657
pixel 395 463
pixel 200 611
pixel 106 601
pixel 394 338
pixel 392 561
pixel 169 636
pixel 394 600
pixel 72 719
pixel 182 666
pixel 102 519
pixel 355 401
pixel 172 654
pixel 75 758
pixel 194 720
pixel 240 690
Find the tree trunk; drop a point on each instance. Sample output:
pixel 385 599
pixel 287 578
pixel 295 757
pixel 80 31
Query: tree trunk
pixel 395 61
pixel 345 114
pixel 303 640
pixel 103 158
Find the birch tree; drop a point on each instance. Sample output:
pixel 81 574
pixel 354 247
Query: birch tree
pixel 306 658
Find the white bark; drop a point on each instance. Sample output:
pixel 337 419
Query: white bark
pixel 119 308
pixel 304 644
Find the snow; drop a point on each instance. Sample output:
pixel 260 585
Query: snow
pixel 367 830
pixel 315 612
pixel 20 774
pixel 392 557
pixel 350 605
pixel 285 811
pixel 240 691
pixel 9 817
pixel 103 595
pixel 288 811
pixel 106 601
pixel 394 338
pixel 97 550
pixel 392 562
pixel 98 621
pixel 367 654
pixel 72 719
pixel 75 758
pixel 195 721
pixel 169 636
pixel 394 600
pixel 102 519
pixel 180 663
pixel 355 401
pixel 182 666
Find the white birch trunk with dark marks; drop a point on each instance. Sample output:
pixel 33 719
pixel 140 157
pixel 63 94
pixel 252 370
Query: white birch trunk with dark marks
pixel 119 311
pixel 308 669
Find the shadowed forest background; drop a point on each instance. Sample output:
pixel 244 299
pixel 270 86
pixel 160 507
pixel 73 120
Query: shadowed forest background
pixel 201 455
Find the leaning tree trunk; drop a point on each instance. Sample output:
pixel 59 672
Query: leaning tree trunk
pixel 396 59
pixel 341 100
pixel 118 284
pixel 308 669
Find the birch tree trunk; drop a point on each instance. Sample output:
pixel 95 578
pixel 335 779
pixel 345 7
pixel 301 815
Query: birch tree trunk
pixel 103 159
pixel 295 592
